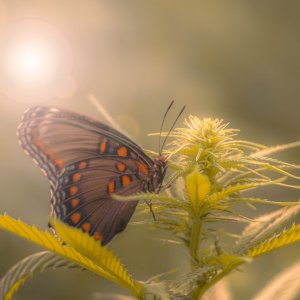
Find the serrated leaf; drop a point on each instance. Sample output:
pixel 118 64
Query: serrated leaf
pixel 285 286
pixel 48 241
pixel 88 246
pixel 154 198
pixel 26 268
pixel 229 261
pixel 275 149
pixel 197 187
pixel 189 281
pixel 264 227
pixel 263 201
pixel 282 239
pixel 13 288
pixel 232 189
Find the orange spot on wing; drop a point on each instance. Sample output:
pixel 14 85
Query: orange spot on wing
pixel 49 154
pixel 121 167
pixel 73 190
pixel 75 218
pixel 74 202
pixel 86 227
pixel 76 177
pixel 126 180
pixel 143 168
pixel 59 163
pixel 122 151
pixel 98 236
pixel 82 164
pixel 111 186
pixel 103 146
pixel 39 144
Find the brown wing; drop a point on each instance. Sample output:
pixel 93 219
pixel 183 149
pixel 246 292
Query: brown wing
pixel 56 138
pixel 85 162
pixel 82 197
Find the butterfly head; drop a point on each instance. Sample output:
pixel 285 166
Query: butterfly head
pixel 158 172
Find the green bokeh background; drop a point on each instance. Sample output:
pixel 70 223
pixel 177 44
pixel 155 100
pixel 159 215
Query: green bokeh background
pixel 235 60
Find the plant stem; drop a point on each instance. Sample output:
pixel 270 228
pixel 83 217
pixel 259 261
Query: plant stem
pixel 195 238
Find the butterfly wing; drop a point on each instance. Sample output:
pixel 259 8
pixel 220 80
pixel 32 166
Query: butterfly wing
pixel 82 197
pixel 85 161
pixel 56 138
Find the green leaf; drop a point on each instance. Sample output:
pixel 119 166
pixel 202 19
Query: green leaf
pixel 26 268
pixel 197 278
pixel 232 189
pixel 100 255
pixel 230 261
pixel 264 227
pixel 155 198
pixel 14 288
pixel 197 187
pixel 48 241
pixel 264 201
pixel 284 238
pixel 275 149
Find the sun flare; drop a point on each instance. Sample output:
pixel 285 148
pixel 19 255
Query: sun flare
pixel 36 61
pixel 31 62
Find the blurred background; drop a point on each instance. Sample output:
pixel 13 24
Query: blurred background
pixel 236 60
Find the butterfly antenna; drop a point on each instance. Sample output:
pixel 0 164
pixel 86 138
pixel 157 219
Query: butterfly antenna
pixel 162 124
pixel 180 113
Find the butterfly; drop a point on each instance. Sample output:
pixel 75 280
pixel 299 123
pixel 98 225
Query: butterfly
pixel 86 162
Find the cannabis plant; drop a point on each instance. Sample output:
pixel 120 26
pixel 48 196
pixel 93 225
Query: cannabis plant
pixel 210 171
